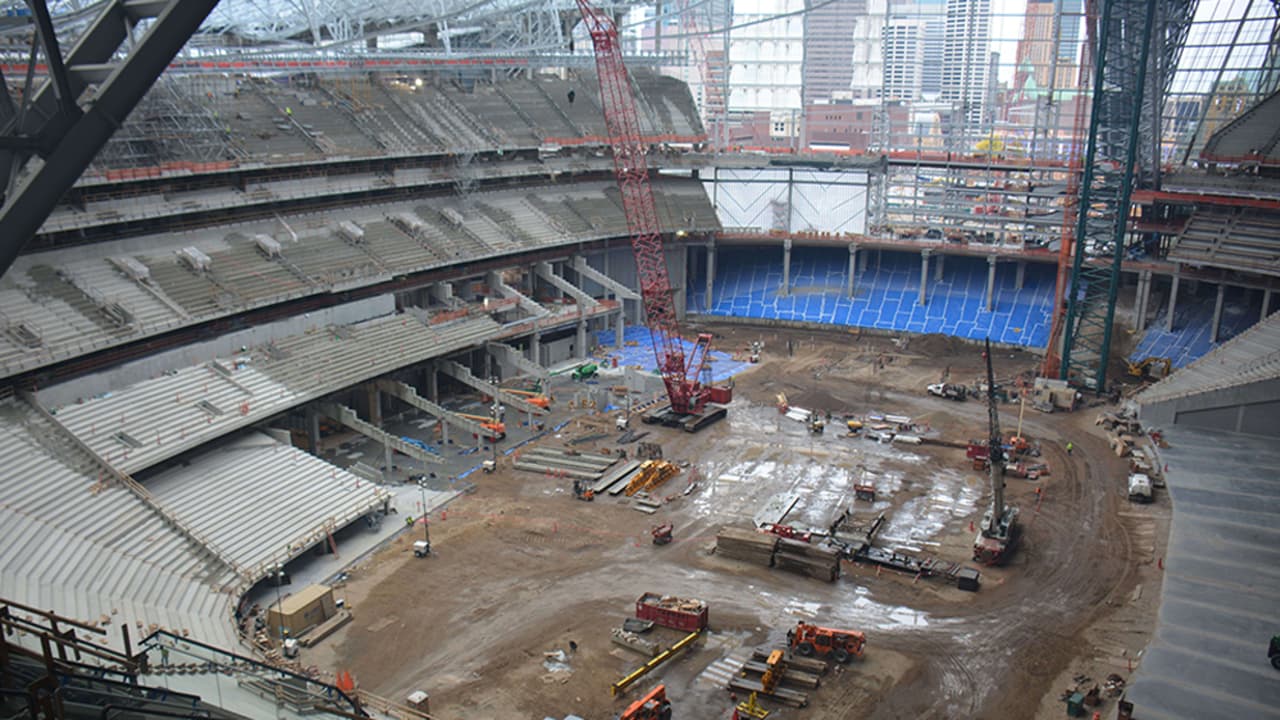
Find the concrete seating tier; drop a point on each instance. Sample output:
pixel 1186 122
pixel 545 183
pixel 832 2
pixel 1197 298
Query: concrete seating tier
pixel 36 329
pixel 262 502
pixel 137 426
pixel 95 551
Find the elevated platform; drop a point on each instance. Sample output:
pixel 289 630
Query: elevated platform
pixel 138 426
pixel 1192 333
pixel 262 502
pixel 55 301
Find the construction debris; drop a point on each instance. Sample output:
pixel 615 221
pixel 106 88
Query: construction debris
pixel 632 641
pixel 771 550
pixel 746 545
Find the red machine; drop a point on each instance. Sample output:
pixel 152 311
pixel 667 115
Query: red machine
pixel 662 534
pixel 788 532
pixel 685 614
pixel 653 706
pixel 682 375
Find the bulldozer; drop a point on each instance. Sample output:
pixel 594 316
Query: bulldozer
pixel 653 706
pixel 839 645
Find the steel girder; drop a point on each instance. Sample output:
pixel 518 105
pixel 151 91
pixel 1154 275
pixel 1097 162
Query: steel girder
pixel 1123 43
pixel 67 119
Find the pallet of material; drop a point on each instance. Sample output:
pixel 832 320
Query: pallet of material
pixel 632 641
pixel 816 569
pixel 325 629
pixel 747 545
pixel 792 676
pixel 813 666
pixel 616 475
pixel 541 469
pixel 785 696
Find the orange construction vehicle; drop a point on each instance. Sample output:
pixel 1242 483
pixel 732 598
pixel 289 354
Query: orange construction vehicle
pixel 494 429
pixel 533 398
pixel 840 645
pixel 653 706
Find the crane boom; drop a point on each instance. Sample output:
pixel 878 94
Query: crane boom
pixel 995 443
pixel 681 375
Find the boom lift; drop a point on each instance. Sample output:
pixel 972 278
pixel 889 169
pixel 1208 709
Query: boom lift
pixel 682 374
pixel 999 532
pixel 653 706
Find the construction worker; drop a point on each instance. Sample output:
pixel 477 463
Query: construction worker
pixel 1070 447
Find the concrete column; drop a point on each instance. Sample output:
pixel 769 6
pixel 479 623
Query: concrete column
pixel 991 282
pixel 711 274
pixel 1173 302
pixel 313 431
pixel 853 266
pixel 1217 313
pixel 924 274
pixel 488 364
pixel 441 292
pixel 433 384
pixel 937 268
pixel 535 347
pixel 786 267
pixel 1140 302
pixel 620 329
pixel 1020 274
pixel 444 432
pixel 862 261
pixel 1266 303
pixel 581 342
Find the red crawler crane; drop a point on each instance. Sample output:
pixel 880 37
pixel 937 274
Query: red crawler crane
pixel 681 373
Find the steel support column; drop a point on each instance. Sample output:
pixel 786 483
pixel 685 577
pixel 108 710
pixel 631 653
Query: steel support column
pixel 1124 32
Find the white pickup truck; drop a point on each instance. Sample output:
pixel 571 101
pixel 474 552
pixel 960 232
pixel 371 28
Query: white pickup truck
pixel 1139 488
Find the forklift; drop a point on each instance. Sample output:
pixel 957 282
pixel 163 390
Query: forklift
pixel 582 491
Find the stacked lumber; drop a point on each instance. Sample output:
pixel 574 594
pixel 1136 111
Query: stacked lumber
pixel 805 559
pixel 746 544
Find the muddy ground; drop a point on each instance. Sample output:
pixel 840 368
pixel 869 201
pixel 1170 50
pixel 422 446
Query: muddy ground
pixel 522 569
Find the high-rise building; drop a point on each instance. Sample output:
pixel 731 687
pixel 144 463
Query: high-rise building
pixel 829 48
pixel 866 52
pixel 1047 51
pixel 912 40
pixel 766 58
pixel 965 58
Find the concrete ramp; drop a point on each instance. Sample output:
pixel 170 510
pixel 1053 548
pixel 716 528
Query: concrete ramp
pixel 409 395
pixel 548 273
pixel 502 351
pixel 464 376
pixel 526 303
pixel 348 417
pixel 622 291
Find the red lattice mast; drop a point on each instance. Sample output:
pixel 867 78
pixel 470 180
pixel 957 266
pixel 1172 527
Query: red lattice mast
pixel 680 374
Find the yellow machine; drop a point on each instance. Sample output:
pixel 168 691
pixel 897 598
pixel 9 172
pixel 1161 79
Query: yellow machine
pixel 752 708
pixel 1153 368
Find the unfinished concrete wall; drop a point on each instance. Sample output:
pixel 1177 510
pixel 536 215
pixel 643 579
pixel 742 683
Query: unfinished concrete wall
pixel 1252 409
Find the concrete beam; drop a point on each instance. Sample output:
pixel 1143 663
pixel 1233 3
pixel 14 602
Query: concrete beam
pixel 348 417
pixel 546 272
pixel 411 397
pixel 622 292
pixel 494 280
pixel 464 376
pixel 507 354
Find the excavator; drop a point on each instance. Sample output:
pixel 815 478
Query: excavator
pixel 653 706
pixel 1152 368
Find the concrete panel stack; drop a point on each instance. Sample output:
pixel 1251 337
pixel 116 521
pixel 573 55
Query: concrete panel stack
pixel 747 545
pixel 806 559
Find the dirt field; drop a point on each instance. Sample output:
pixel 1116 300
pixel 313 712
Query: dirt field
pixel 522 569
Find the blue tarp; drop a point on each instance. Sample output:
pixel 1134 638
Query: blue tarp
pixel 723 366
